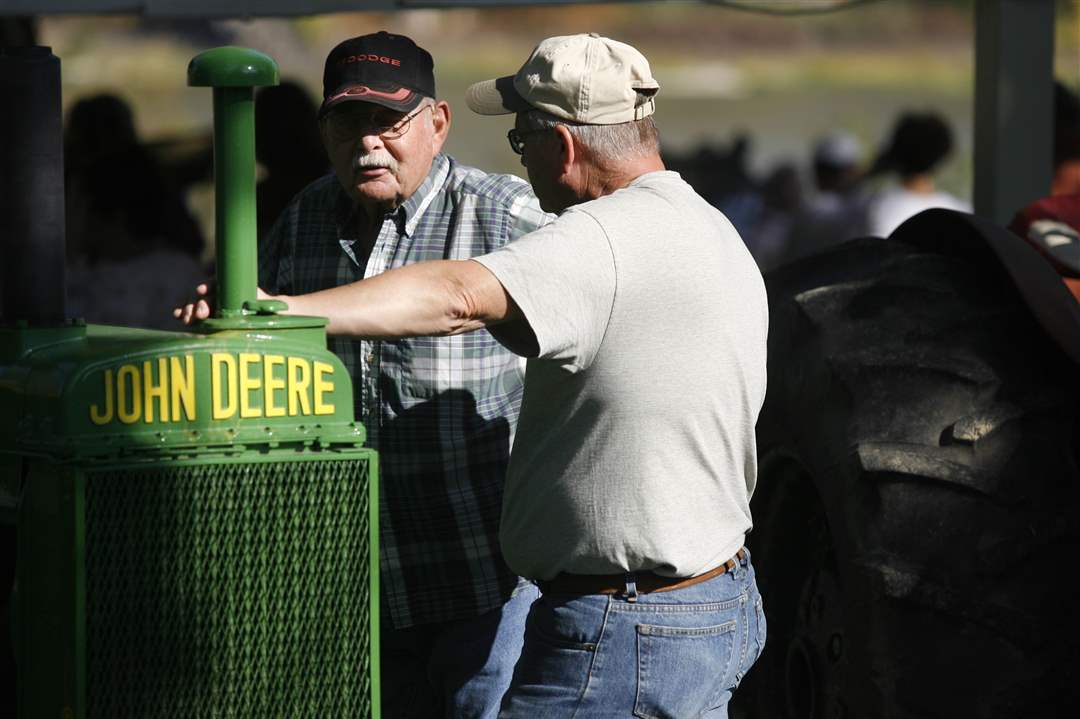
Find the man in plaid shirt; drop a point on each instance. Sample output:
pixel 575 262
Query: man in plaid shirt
pixel 440 410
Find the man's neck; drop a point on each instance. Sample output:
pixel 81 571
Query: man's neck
pixel 604 181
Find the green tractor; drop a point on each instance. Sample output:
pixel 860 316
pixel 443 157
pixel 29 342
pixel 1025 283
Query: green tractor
pixel 195 512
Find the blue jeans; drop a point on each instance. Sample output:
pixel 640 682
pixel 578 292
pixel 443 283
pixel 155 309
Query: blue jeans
pixel 457 670
pixel 677 654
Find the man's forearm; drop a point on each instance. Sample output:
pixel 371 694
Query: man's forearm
pixel 428 298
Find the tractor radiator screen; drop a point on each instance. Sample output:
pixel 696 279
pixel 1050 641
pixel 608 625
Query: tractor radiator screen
pixel 230 590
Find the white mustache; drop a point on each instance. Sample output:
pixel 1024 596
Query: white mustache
pixel 377 159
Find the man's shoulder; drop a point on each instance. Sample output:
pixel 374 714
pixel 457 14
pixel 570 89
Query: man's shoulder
pixel 647 195
pixel 310 212
pixel 494 188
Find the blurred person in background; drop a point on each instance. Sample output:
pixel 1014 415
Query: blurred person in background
pixel 768 232
pixel 287 145
pixel 1052 224
pixel 132 244
pixel 919 143
pixel 836 209
pixel 717 172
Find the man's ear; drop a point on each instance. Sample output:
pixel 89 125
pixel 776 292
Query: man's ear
pixel 568 153
pixel 440 120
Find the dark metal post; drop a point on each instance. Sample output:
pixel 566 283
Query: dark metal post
pixel 1014 64
pixel 31 187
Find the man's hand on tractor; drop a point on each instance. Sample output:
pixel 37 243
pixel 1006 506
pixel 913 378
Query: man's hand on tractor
pixel 201 307
pixel 197 309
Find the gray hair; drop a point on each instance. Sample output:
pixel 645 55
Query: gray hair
pixel 605 143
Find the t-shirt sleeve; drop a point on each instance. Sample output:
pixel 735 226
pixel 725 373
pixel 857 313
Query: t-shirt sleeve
pixel 562 277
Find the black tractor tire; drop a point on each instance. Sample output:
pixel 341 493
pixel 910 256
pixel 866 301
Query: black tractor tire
pixel 917 512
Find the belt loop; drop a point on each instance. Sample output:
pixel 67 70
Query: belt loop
pixel 740 561
pixel 631 588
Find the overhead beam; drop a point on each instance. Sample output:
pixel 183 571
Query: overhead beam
pixel 192 8
pixel 244 8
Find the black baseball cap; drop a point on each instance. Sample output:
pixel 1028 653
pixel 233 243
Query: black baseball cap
pixel 385 69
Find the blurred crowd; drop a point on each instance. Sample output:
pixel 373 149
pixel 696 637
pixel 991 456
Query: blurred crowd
pixel 135 247
pixel 133 244
pixel 842 191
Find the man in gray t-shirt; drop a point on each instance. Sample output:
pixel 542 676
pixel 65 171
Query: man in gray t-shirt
pixel 635 447
pixel 644 320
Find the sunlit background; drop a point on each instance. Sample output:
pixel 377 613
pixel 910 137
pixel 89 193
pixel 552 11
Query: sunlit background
pixel 782 81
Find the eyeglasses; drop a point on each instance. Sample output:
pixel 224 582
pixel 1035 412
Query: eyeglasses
pixel 344 125
pixel 517 138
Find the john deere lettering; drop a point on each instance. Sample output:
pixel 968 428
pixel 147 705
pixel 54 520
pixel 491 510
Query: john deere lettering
pixel 246 385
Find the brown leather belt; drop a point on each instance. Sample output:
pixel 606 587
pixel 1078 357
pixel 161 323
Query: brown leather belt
pixel 646 582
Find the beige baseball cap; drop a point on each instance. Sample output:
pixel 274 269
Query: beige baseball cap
pixel 585 79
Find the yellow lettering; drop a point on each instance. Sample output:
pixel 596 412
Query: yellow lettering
pixel 129 373
pixel 157 391
pixel 299 376
pixel 222 361
pixel 322 386
pixel 248 384
pixel 183 387
pixel 96 415
pixel 272 384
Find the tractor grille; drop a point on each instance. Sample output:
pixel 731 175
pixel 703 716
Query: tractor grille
pixel 229 590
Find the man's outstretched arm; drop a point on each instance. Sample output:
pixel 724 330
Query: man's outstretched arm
pixel 443 297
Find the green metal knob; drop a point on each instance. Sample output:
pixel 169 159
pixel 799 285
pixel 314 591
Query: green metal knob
pixel 232 67
pixel 265 307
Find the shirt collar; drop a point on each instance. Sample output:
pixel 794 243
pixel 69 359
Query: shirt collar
pixel 408 215
pixel 414 207
pixel 655 173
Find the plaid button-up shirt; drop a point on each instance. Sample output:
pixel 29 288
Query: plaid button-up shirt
pixel 441 411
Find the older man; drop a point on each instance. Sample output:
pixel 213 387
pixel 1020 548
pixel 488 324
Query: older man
pixel 441 411
pixel 644 320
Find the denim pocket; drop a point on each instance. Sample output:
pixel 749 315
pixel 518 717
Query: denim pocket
pixel 575 624
pixel 561 639
pixel 558 642
pixel 683 671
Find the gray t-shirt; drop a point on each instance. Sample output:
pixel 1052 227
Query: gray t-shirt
pixel 635 447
